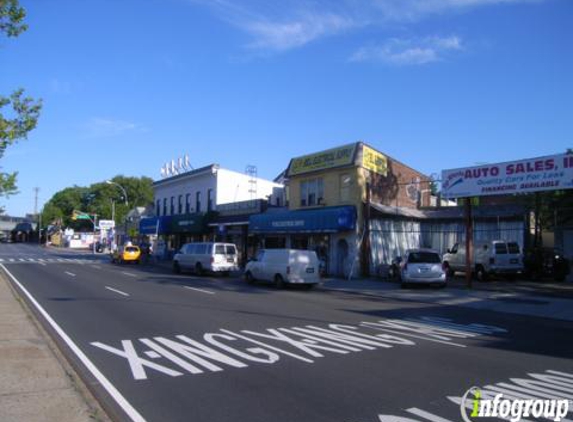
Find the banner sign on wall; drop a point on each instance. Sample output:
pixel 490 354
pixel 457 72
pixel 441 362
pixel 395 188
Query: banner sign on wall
pixel 336 157
pixel 374 161
pixel 553 172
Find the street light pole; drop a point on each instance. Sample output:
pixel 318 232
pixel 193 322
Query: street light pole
pixel 111 182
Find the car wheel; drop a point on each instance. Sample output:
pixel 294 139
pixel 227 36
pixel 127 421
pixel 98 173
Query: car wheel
pixel 279 281
pixel 198 269
pixel 249 278
pixel 176 267
pixel 481 275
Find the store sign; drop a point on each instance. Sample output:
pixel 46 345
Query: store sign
pixel 552 172
pixel 374 161
pixel 332 158
pixel 254 206
pixel 106 224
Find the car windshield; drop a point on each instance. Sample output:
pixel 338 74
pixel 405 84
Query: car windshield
pixel 513 247
pixel 424 258
pixel 131 249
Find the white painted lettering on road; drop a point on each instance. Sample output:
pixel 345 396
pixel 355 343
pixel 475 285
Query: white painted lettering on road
pixel 549 385
pixel 116 291
pixel 304 344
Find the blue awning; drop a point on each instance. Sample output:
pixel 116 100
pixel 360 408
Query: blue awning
pixel 149 225
pixel 323 220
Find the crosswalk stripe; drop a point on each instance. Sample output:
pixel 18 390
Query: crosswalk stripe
pixel 22 260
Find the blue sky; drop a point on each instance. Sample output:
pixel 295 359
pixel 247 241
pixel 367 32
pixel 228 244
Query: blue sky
pixel 128 85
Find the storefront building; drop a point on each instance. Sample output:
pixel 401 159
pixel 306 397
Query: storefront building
pixel 330 186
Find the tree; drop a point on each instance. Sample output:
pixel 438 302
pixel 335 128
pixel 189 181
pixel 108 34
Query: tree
pixel 98 198
pixel 23 112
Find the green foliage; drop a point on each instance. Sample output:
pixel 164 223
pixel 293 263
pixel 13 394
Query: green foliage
pixel 98 198
pixel 12 18
pixel 22 112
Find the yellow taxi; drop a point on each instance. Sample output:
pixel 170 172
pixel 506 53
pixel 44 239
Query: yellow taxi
pixel 127 253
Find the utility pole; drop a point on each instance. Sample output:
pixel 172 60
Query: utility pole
pixel 38 217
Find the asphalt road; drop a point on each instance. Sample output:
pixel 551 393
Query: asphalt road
pixel 162 347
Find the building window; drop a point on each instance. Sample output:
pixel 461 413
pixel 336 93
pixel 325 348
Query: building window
pixel 345 182
pixel 311 192
pixel 158 207
pixel 172 206
pixel 188 203
pixel 210 200
pixel 180 204
pixel 198 202
pixel 164 206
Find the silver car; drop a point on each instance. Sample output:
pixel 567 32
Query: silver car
pixel 419 266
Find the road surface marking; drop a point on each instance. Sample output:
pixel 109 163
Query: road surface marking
pixel 22 260
pixel 105 383
pixel 1 259
pixel 41 260
pixel 117 291
pixel 200 290
pixel 69 273
pixel 12 260
pixel 97 267
pixel 129 274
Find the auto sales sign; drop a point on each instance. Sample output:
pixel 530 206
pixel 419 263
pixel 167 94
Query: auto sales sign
pixel 553 172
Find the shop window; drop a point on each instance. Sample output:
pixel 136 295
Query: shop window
pixel 164 206
pixel 345 183
pixel 180 204
pixel 198 201
pixel 188 203
pixel 158 207
pixel 312 192
pixel 172 207
pixel 210 200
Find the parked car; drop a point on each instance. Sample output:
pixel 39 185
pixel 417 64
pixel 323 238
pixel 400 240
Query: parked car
pixel 128 253
pixel 491 258
pixel 542 263
pixel 419 266
pixel 210 257
pixel 284 266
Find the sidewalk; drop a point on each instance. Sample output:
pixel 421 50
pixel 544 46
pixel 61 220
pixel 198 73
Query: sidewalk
pixel 513 301
pixel 36 383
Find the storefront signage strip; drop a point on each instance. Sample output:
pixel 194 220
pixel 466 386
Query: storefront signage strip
pixel 336 157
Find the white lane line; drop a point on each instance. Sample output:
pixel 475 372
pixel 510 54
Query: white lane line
pixel 200 290
pixel 1 259
pixel 12 260
pixel 69 273
pixel 117 291
pixel 106 384
pixel 97 267
pixel 41 260
pixel 129 274
pixel 22 260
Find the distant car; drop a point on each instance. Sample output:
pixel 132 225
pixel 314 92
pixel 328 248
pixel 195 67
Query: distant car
pixel 497 257
pixel 126 254
pixel 546 263
pixel 284 266
pixel 206 257
pixel 419 266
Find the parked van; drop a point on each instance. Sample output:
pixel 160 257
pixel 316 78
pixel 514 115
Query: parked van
pixel 282 266
pixel 495 257
pixel 206 257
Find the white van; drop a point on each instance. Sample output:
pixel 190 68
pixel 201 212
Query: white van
pixel 495 257
pixel 284 266
pixel 206 257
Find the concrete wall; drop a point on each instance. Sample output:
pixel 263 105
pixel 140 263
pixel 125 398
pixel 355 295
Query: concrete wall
pixel 194 183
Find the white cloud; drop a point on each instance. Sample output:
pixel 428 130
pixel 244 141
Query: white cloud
pixel 403 52
pixel 98 127
pixel 288 24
